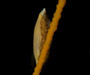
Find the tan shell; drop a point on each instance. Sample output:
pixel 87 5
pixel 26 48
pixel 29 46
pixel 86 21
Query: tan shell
pixel 40 33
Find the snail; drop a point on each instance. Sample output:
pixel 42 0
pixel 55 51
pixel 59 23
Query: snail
pixel 40 33
pixel 43 35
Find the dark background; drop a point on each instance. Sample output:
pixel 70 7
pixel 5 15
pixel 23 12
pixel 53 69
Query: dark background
pixel 69 52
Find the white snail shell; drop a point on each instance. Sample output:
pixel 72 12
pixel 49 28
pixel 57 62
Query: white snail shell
pixel 40 33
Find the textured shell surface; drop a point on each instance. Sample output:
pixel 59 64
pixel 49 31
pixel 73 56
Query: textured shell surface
pixel 40 33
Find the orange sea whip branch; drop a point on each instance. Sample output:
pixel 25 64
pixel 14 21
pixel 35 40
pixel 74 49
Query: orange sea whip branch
pixel 52 29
